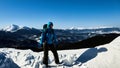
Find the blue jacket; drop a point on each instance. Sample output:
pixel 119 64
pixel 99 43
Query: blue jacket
pixel 48 36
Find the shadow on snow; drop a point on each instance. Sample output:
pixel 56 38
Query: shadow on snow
pixel 88 55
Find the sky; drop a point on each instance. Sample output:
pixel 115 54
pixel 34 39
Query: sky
pixel 63 13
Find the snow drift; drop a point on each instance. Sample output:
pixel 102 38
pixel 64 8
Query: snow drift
pixel 105 56
pixel 7 62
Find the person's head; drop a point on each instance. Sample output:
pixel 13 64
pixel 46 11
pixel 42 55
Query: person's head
pixel 50 25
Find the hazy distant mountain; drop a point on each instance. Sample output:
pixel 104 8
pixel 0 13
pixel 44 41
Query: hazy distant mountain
pixel 11 28
pixel 17 37
pixel 64 35
pixel 14 28
pixel 82 28
pixel 99 30
pixel 25 27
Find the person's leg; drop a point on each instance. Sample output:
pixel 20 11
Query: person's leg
pixel 54 51
pixel 45 58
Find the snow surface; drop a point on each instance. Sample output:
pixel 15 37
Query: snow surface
pixel 104 56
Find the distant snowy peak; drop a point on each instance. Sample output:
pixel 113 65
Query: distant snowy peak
pixel 72 28
pixel 25 27
pixel 76 28
pixel 82 28
pixel 13 28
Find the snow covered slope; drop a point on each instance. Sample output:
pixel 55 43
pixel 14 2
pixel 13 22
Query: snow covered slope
pixel 104 56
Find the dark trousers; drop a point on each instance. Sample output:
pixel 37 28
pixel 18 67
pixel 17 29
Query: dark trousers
pixel 46 47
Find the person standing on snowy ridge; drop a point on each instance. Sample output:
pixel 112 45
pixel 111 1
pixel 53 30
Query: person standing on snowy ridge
pixel 48 40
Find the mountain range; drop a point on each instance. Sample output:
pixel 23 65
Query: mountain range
pixel 28 38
